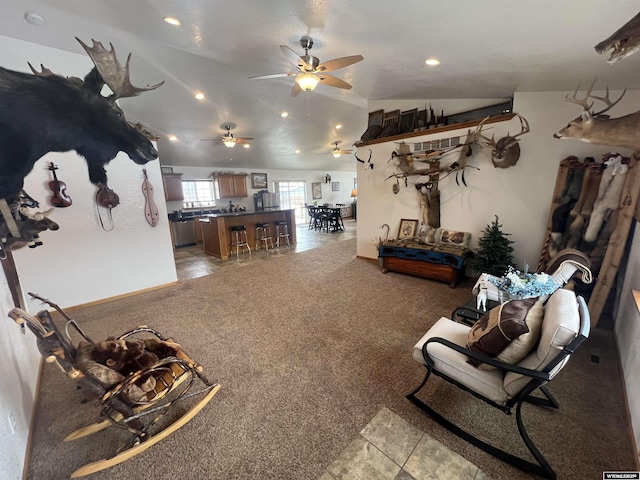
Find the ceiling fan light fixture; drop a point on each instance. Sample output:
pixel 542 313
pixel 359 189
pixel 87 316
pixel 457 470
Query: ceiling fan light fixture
pixel 229 143
pixel 246 145
pixel 307 81
pixel 336 154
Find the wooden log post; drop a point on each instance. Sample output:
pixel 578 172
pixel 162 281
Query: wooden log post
pixel 617 242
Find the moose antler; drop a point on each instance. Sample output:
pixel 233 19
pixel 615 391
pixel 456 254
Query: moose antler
pixel 116 77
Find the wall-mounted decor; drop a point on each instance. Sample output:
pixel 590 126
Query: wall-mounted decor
pixel 376 118
pixel 408 120
pixel 335 186
pixel 166 169
pixel 258 180
pixel 408 228
pixel 390 124
pixel 316 190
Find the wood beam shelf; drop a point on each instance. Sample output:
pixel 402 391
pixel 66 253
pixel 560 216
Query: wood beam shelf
pixel 431 131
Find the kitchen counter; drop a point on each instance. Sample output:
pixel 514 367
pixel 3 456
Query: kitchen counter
pixel 216 228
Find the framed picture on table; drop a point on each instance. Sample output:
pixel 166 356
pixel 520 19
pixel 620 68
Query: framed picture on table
pixel 408 228
pixel 316 190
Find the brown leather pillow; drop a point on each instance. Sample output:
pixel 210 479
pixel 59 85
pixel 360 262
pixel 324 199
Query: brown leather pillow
pixel 499 327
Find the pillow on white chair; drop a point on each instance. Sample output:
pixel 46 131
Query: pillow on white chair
pixel 560 325
pixel 507 332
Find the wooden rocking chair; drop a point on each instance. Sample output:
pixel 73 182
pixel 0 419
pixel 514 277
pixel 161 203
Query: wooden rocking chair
pixel 134 402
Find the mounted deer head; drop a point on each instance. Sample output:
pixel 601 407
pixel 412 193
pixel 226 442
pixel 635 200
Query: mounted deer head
pixel 506 151
pixel 597 128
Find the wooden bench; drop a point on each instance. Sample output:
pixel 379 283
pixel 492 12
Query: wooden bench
pixel 437 262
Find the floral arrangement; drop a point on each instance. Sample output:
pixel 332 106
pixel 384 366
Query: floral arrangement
pixel 525 285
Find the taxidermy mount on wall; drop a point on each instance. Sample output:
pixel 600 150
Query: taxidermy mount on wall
pixel 624 42
pixel 45 113
pixel 599 129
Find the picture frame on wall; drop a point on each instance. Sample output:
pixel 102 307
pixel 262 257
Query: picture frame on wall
pixel 408 228
pixel 258 180
pixel 168 170
pixel 376 118
pixel 335 186
pixel 316 190
pixel 408 120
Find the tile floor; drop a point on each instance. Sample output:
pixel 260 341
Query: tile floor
pixel 192 262
pixel 389 448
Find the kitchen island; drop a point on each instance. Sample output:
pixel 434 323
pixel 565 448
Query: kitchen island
pixel 216 228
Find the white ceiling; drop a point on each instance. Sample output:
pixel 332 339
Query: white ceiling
pixel 488 49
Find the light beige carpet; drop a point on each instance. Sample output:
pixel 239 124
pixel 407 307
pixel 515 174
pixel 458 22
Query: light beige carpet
pixel 308 348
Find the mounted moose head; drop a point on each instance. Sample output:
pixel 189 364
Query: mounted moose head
pixel 599 129
pixel 45 112
pixel 506 151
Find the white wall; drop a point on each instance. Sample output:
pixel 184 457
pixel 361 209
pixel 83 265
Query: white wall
pixel 627 332
pixel 19 373
pixel 520 195
pixel 328 196
pixel 80 262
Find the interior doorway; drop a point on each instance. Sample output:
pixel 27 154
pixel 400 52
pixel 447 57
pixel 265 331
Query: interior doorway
pixel 293 195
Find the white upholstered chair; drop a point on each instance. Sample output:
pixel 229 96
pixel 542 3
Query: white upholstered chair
pixel 442 350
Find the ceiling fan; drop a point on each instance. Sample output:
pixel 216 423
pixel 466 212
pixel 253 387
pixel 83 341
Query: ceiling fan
pixel 336 152
pixel 310 70
pixel 228 139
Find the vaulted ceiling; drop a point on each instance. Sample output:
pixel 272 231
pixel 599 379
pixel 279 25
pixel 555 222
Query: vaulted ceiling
pixel 487 49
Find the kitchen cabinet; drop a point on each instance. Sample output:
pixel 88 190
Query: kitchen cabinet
pixel 228 185
pixel 172 186
pixel 197 225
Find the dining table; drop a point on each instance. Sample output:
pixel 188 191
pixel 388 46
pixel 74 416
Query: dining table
pixel 325 218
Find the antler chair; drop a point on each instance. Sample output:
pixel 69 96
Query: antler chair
pixel 135 402
pixel 443 351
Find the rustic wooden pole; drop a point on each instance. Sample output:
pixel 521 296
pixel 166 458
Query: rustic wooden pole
pixel 556 200
pixel 10 272
pixel 617 242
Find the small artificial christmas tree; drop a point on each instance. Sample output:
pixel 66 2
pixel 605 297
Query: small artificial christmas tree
pixel 495 253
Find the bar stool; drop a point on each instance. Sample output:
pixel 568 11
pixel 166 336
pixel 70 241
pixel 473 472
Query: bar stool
pixel 263 234
pixel 282 231
pixel 239 239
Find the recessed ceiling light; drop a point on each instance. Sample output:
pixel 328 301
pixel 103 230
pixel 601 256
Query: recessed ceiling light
pixel 200 96
pixel 297 151
pixel 338 127
pixel 172 21
pixel 432 61
pixel 284 114
pixel 173 138
pixel 33 18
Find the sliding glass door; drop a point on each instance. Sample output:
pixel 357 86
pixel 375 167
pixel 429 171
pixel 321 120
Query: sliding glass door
pixel 292 195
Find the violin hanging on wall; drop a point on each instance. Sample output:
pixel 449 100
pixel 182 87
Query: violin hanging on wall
pixel 59 198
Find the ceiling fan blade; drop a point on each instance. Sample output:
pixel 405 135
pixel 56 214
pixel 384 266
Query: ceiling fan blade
pixel 244 138
pixel 294 58
pixel 337 63
pixel 295 90
pixel 273 75
pixel 333 82
pixel 345 152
